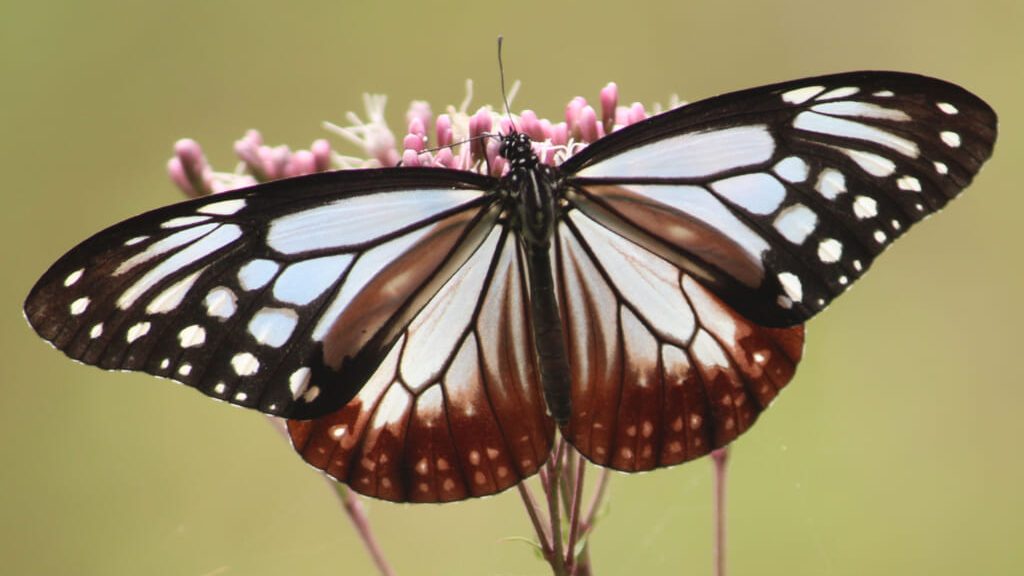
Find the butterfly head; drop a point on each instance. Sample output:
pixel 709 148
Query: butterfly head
pixel 517 148
pixel 530 186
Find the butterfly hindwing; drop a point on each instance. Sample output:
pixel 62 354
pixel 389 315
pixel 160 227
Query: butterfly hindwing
pixel 663 371
pixel 780 197
pixel 240 294
pixel 455 409
pixel 387 312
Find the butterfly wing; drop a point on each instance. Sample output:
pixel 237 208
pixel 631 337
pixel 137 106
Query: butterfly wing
pixel 455 409
pixel 778 198
pixel 282 297
pixel 662 370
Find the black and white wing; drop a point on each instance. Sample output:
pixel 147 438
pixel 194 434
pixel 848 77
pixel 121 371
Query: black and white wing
pixel 455 410
pixel 284 298
pixel 779 198
pixel 662 371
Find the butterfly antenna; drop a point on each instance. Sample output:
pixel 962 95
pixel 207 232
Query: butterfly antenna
pixel 504 95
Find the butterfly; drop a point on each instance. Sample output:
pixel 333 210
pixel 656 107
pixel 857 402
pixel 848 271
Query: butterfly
pixel 426 330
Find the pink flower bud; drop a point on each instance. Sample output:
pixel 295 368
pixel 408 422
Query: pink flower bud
pixel 444 130
pixel 321 150
pixel 609 101
pixel 588 124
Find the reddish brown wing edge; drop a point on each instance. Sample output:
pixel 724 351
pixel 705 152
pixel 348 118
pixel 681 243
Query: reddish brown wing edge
pixel 686 412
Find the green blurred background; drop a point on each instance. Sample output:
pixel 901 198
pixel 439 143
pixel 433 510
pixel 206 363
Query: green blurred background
pixel 895 449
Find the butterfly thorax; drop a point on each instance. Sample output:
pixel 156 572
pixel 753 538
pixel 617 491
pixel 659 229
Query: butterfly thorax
pixel 530 187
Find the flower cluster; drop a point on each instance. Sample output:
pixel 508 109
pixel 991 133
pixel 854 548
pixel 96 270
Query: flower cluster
pixel 454 139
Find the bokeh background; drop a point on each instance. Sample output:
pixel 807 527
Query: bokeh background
pixel 896 450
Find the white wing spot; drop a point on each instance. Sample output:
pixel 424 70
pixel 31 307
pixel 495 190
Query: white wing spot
pixel 801 95
pixel 896 225
pixel 73 277
pixel 830 250
pixel 909 183
pixel 792 169
pixel 839 93
pixel 865 207
pixel 883 94
pixel 757 193
pixel 831 183
pixel 311 394
pixel 880 237
pixel 170 298
pixel 873 164
pixel 919 206
pixel 137 331
pixel 947 108
pixel 298 381
pixel 136 240
pixel 220 388
pixel 857 265
pixel 256 273
pixel 791 284
pixel 844 280
pixel 861 110
pixel 941 168
pixel 165 363
pixel 184 221
pixel 273 326
pixel 79 306
pixel 951 139
pixel 241 397
pixel 302 282
pixel 190 336
pixel 784 302
pixel 245 364
pixel 223 208
pixel 796 223
pixel 185 369
pixel 221 302
pixel 841 127
pixel 96 331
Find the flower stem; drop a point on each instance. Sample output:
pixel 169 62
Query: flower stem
pixel 720 458
pixel 353 506
pixel 551 478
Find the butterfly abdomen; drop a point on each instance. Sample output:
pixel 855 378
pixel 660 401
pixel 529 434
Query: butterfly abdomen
pixel 531 187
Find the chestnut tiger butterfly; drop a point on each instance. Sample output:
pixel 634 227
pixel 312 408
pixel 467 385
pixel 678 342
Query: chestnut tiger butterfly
pixel 425 330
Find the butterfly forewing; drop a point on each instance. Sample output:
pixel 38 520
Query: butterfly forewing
pixel 388 312
pixel 455 409
pixel 663 371
pixel 780 197
pixel 239 295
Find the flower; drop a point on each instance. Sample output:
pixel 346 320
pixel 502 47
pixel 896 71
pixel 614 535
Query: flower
pixel 454 139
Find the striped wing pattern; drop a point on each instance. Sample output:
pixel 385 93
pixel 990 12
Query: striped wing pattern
pixel 779 198
pixel 663 371
pixel 239 295
pixel 387 312
pixel 455 410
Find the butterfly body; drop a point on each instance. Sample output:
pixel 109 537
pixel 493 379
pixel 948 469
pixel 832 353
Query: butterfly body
pixel 533 188
pixel 425 330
